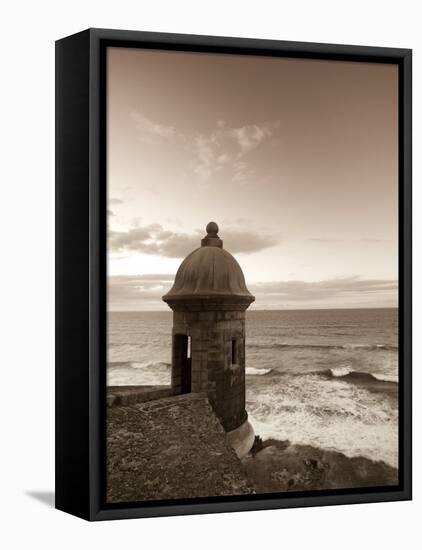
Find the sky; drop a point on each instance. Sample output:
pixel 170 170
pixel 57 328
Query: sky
pixel 296 160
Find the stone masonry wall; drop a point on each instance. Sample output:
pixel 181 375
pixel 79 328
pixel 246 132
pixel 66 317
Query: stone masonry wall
pixel 170 448
pixel 211 335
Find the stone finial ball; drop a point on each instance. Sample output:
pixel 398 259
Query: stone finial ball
pixel 212 229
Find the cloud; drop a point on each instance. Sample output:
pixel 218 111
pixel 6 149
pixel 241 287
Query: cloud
pixel 323 240
pixel 333 240
pixel 154 239
pixel 345 290
pixel 138 292
pixel 115 201
pixel 370 240
pixel 148 127
pixel 249 137
pixel 222 148
pixel 247 242
pixel 143 292
pixel 227 148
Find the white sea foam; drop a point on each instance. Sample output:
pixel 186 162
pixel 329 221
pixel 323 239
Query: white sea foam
pixel 252 371
pixel 150 365
pixel 338 372
pixel 133 373
pixel 357 346
pixel 341 371
pixel 338 412
pixel 337 415
pixel 386 377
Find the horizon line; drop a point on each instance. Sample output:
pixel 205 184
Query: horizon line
pixel 255 309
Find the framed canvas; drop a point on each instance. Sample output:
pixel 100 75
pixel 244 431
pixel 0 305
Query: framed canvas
pixel 233 274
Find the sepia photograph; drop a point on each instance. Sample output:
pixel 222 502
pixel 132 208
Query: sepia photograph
pixel 252 275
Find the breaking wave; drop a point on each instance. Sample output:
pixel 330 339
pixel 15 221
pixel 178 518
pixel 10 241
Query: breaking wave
pixel 325 347
pixel 306 409
pixel 347 373
pixel 121 373
pixel 252 371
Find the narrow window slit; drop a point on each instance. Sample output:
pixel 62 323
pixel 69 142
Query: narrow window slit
pixel 234 352
pixel 189 350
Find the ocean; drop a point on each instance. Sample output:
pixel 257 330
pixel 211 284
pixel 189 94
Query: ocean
pixel 327 378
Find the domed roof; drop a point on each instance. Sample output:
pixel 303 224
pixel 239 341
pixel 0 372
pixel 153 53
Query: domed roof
pixel 209 272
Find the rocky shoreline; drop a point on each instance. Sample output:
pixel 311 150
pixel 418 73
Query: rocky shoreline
pixel 161 448
pixel 278 466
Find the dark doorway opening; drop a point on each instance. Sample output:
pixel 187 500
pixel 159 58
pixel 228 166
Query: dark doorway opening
pixel 182 362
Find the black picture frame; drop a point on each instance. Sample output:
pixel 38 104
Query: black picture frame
pixel 81 271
